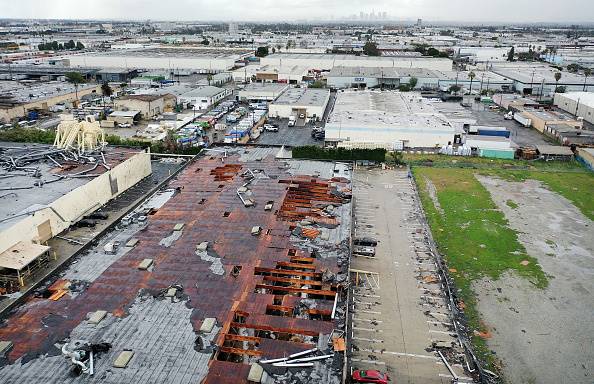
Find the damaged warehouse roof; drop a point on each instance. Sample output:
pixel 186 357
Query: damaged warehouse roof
pixel 241 260
pixel 34 175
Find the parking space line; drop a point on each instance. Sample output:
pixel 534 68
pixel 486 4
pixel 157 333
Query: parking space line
pixel 401 354
pixel 368 340
pixel 367 320
pixel 365 295
pixel 442 332
pixel 375 362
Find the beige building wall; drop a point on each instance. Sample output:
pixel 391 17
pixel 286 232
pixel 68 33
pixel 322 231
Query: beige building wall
pixel 83 200
pixel 146 108
pixel 7 114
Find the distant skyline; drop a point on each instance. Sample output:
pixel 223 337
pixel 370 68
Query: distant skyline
pixel 476 11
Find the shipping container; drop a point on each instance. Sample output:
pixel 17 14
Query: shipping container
pixel 493 132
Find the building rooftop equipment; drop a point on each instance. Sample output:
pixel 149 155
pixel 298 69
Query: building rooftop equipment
pixel 214 310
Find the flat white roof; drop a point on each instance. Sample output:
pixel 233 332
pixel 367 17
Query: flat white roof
pixel 386 109
pixel 303 97
pixel 124 113
pixel 206 91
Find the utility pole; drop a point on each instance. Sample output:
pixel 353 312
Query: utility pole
pixel 532 82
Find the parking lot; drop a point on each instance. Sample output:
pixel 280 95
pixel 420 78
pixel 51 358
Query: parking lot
pixel 289 136
pixel 399 315
pixel 298 135
pixel 519 134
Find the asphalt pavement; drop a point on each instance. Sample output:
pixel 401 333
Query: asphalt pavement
pixel 289 136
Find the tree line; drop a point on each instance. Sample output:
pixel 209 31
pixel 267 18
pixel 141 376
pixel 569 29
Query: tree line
pixel 55 46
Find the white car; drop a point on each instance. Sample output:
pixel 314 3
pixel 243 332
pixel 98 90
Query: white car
pixel 302 115
pixel 124 125
pixel 270 128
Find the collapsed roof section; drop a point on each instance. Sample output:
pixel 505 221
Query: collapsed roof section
pixel 263 280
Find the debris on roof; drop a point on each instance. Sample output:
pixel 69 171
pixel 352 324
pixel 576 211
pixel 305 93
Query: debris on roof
pixel 271 294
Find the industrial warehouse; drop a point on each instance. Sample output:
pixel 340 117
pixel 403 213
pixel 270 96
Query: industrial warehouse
pixel 241 259
pixel 202 60
pixel 318 197
pixel 375 119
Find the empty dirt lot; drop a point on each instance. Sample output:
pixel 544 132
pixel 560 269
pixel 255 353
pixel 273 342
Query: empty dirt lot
pixel 543 336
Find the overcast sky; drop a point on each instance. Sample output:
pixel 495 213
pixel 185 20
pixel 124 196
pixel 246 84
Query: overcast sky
pixel 287 10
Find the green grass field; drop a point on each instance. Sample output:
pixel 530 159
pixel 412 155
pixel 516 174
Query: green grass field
pixel 474 235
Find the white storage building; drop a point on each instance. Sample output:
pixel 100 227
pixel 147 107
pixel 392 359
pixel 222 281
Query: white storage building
pixel 295 101
pixel 580 104
pixel 200 60
pixel 292 74
pixel 386 119
pixel 262 91
pixel 204 97
pixel 329 61
pixel 362 77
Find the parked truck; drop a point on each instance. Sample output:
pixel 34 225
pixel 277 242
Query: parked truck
pixel 292 121
pixel 522 119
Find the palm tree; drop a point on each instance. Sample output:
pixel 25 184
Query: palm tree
pixel 75 78
pixel 471 76
pixel 587 72
pixel 106 91
pixel 557 78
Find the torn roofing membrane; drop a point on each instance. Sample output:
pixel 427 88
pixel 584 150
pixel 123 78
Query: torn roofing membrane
pixel 271 293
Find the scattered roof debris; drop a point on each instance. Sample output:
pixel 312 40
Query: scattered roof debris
pixel 283 294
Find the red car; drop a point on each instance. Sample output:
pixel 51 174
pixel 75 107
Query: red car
pixel 370 376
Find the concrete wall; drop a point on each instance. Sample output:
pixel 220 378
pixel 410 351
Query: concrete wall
pixel 286 110
pixel 204 102
pixel 347 81
pixel 413 137
pixel 146 108
pixel 83 200
pixel 540 123
pixel 7 114
pixel 570 105
pixel 329 61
